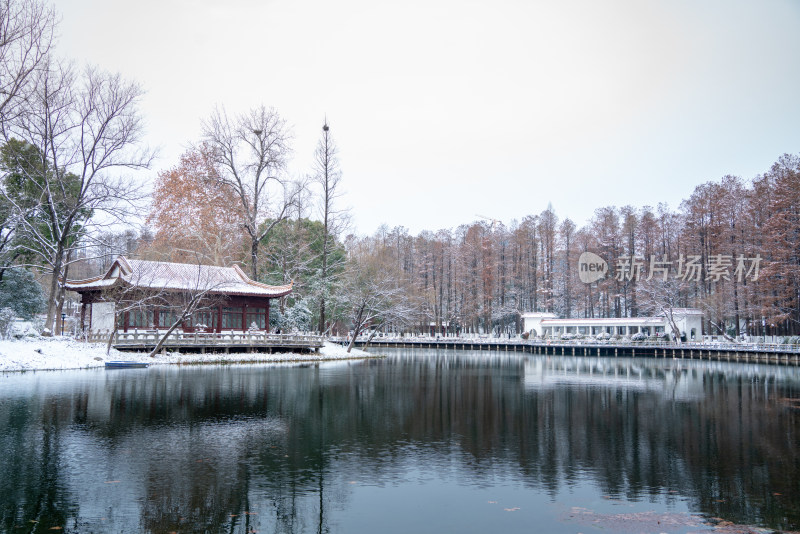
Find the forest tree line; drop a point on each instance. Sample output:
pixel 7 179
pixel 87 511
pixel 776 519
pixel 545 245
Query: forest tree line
pixel 729 249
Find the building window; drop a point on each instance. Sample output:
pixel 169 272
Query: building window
pixel 166 317
pixel 232 318
pixel 205 319
pixel 257 316
pixel 141 318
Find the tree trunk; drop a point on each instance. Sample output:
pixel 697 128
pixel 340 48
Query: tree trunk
pixel 53 295
pixel 371 337
pixel 322 328
pixel 164 337
pixel 254 257
pixel 356 329
pixel 62 296
pixel 111 337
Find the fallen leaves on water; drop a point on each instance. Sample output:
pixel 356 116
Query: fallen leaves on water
pixel 111 482
pixel 55 528
pixel 657 522
pixel 511 509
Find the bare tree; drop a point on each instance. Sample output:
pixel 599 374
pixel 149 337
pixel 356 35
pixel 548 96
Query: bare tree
pixel 662 296
pixel 26 35
pixel 178 295
pixel 328 176
pixel 83 128
pixel 127 298
pixel 374 293
pixel 566 233
pixel 197 296
pixel 250 152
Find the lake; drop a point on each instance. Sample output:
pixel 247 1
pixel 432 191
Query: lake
pixel 419 441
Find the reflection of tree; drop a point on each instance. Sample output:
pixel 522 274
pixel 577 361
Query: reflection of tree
pixel 31 479
pixel 209 446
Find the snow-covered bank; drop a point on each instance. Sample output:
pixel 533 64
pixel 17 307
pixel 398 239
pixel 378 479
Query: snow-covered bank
pixel 30 354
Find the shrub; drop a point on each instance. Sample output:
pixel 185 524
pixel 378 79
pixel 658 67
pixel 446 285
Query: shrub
pixel 20 292
pixel 7 316
pixel 298 317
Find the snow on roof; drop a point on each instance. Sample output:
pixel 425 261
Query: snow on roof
pixel 550 319
pixel 685 311
pixel 179 276
pixel 604 321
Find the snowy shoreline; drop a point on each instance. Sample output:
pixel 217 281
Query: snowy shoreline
pixel 60 353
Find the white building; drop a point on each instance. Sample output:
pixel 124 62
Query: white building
pixel 688 320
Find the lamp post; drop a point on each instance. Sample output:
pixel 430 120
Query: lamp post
pixel 63 317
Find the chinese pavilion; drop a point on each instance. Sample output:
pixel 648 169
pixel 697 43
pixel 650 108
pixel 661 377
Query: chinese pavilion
pixel 142 294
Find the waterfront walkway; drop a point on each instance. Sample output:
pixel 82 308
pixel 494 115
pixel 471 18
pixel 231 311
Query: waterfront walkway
pixel 732 352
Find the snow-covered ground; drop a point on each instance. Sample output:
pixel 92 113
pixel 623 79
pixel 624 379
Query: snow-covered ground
pixel 39 353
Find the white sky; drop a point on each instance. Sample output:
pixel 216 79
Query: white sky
pixel 445 109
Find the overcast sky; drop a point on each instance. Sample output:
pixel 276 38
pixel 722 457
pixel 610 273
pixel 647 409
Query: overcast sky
pixel 444 110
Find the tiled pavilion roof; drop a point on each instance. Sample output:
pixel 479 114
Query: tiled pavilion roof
pixel 178 277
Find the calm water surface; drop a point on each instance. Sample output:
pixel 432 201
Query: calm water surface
pixel 422 441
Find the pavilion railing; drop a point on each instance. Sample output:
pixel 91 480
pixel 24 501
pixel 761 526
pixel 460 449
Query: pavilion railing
pixel 210 339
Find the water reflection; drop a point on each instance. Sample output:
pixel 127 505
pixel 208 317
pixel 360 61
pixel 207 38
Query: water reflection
pixel 348 447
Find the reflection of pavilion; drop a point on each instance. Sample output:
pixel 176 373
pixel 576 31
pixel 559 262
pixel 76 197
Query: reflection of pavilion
pixel 689 321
